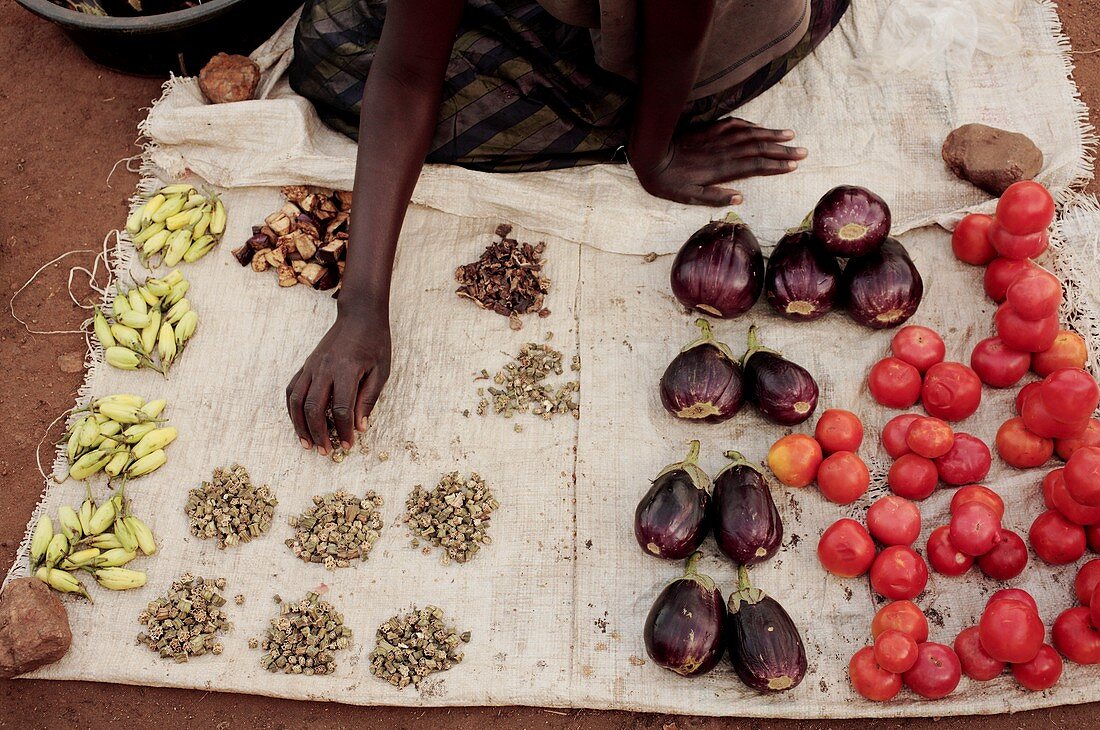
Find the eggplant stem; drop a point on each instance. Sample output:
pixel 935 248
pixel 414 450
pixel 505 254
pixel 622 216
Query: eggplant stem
pixel 693 453
pixel 743 583
pixel 707 338
pixel 692 565
pixel 737 459
pixel 732 217
pixel 755 346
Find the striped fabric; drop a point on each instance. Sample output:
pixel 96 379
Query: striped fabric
pixel 523 91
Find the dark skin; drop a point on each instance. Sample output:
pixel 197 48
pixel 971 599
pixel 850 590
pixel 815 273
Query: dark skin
pixel 351 363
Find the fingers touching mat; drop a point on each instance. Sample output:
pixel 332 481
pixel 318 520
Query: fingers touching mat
pixel 555 604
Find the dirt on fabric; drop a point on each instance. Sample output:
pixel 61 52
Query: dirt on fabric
pixel 67 121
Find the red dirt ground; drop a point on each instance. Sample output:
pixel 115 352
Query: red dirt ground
pixel 68 121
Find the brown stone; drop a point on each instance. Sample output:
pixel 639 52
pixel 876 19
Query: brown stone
pixel 34 627
pixel 228 78
pixel 991 158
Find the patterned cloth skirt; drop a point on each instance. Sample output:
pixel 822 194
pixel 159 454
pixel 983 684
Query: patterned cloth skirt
pixel 523 90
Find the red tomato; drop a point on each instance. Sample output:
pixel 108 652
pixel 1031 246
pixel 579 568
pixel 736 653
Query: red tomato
pixel 967 462
pixel 930 437
pixel 976 664
pixel 1026 335
pixel 1088 577
pixel 1092 536
pixel 919 346
pixel 1040 673
pixel 1007 559
pixel 1014 594
pixel 901 615
pixel 1076 637
pixel 951 391
pixel 1035 294
pixel 1068 351
pixel 936 673
pixel 1061 500
pixel 1090 437
pixel 838 430
pixel 999 366
pixel 894 521
pixel 913 477
pixel 1011 246
pixel 1000 273
pixel 1021 448
pixel 898 572
pixel 843 477
pixel 1055 539
pixel 978 493
pixel 1025 392
pixel 794 459
pixel 1082 475
pixel 894 383
pixel 1094 607
pixel 895 651
pixel 1070 394
pixel 1011 631
pixel 944 557
pixel 871 681
pixel 970 240
pixel 894 433
pixel 846 549
pixel 1025 207
pixel 1042 421
pixel 974 528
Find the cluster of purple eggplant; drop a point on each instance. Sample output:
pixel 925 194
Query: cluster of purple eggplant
pixel 705 382
pixel 721 271
pixel 689 626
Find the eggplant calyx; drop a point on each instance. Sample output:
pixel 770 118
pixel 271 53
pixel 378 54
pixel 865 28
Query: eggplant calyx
pixel 690 465
pixel 745 593
pixel 755 347
pixel 736 459
pixel 733 218
pixel 707 338
pixel 806 224
pixel 691 571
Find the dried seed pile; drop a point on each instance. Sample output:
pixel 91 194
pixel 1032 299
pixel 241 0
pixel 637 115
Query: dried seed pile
pixel 187 620
pixel 455 516
pixel 411 646
pixel 230 508
pixel 521 386
pixel 304 241
pixel 304 638
pixel 337 529
pixel 507 278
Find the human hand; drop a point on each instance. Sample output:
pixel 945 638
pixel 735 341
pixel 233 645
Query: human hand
pixel 346 371
pixel 703 156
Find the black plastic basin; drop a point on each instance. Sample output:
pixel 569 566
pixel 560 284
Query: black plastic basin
pixel 181 41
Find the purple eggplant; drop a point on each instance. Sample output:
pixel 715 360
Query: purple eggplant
pixel 850 221
pixel 684 629
pixel 704 381
pixel 672 519
pixel 784 392
pixel 882 289
pixel 720 269
pixel 801 281
pixel 747 526
pixel 765 646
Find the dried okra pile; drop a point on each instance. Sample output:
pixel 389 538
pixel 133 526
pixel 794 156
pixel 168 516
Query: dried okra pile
pixel 303 638
pixel 408 647
pixel 337 529
pixel 454 515
pixel 230 508
pixel 521 386
pixel 186 621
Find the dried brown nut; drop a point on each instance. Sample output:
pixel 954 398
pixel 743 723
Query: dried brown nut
pixel 244 254
pixel 287 277
pixel 260 262
pixel 331 253
pixel 34 627
pixel 227 78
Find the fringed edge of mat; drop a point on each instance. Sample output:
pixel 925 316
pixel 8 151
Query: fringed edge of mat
pixel 1083 168
pixel 121 256
pixel 1079 216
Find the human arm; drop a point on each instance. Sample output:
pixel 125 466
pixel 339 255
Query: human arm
pixel 398 117
pixel 690 165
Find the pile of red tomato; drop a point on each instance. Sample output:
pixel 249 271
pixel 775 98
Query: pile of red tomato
pixel 916 371
pixel 828 457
